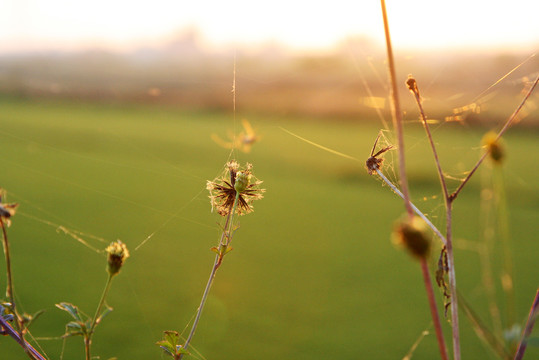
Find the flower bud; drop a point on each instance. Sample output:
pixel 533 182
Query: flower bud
pixel 494 147
pixel 412 234
pixel 242 181
pixel 116 254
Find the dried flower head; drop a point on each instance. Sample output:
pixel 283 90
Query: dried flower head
pixel 413 235
pixel 7 210
pixel 374 163
pixel 223 189
pixel 494 146
pixel 116 254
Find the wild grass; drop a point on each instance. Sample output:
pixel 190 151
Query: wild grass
pixel 314 274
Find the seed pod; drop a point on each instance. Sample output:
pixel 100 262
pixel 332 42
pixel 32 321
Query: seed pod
pixel 413 235
pixel 494 146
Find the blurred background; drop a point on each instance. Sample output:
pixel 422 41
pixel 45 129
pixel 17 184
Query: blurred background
pixel 114 115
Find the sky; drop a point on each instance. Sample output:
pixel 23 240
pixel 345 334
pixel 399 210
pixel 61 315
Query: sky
pixel 36 25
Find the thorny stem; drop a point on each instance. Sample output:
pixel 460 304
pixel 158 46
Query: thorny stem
pixel 397 115
pixel 433 309
pixel 508 123
pixel 412 85
pixel 224 242
pixel 529 327
pixel 88 337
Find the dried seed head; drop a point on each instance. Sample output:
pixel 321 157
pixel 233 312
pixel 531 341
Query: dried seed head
pixel 116 254
pixel 494 146
pixel 243 183
pixel 413 235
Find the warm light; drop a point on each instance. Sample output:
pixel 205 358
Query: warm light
pixel 35 24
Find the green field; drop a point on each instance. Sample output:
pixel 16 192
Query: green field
pixel 313 274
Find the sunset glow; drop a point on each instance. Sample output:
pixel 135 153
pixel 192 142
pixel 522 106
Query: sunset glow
pixel 60 24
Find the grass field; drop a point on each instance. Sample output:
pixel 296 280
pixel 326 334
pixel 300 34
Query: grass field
pixel 313 274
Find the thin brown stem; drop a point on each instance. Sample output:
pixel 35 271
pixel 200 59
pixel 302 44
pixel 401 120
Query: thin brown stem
pixel 397 114
pixel 414 89
pixel 433 309
pixel 9 288
pixel 534 310
pixel 508 123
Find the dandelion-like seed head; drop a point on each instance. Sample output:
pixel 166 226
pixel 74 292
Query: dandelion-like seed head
pixel 116 254
pixel 7 210
pixel 412 234
pixel 235 181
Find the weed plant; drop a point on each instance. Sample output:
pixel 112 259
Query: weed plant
pixel 232 194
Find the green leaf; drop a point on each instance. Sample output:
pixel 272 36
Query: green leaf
pixel 166 346
pixel 71 309
pixel 74 328
pixel 173 337
pixel 29 319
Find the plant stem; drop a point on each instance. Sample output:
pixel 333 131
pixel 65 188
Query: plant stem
pixel 412 85
pixel 433 309
pixel 9 287
pixel 452 282
pixel 416 210
pixel 31 351
pixel 397 115
pixel 88 337
pixel 509 121
pixel 529 327
pixel 224 242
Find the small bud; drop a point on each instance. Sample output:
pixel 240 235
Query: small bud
pixel 412 84
pixel 117 253
pixel 242 181
pixel 494 147
pixel 413 236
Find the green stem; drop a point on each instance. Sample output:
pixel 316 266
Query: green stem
pixel 88 337
pixel 224 242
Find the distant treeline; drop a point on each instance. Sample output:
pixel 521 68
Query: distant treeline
pixel 342 83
